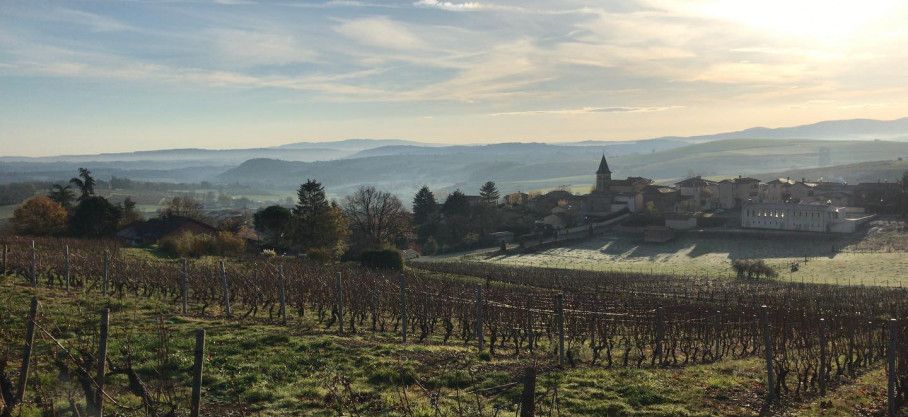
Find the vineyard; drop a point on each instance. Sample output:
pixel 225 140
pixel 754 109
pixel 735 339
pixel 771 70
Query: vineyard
pixel 805 341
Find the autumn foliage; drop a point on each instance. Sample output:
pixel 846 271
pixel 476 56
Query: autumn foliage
pixel 40 216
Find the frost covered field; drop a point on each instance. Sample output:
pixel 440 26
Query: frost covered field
pixel 874 257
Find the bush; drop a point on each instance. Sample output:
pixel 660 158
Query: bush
pixel 321 255
pixel 753 269
pixel 430 247
pixel 191 245
pixel 382 259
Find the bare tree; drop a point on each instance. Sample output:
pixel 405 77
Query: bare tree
pixel 185 206
pixel 377 215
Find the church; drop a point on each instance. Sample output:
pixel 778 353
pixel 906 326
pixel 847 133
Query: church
pixel 611 195
pixel 607 197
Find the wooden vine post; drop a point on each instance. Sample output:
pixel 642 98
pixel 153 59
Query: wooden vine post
pixel 822 357
pixel 185 286
pixel 403 307
pixel 66 271
pixel 106 271
pixel 528 397
pixel 196 399
pixel 283 295
pixel 225 289
pixel 767 349
pixel 27 352
pixel 340 304
pixel 718 352
pixel 102 361
pixel 893 347
pixel 559 315
pixel 479 334
pixel 660 334
pixel 34 268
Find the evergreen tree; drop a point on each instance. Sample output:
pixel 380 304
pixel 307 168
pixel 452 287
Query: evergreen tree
pixel 95 217
pixel 425 214
pixel 456 204
pixel 315 222
pixel 425 207
pixel 310 198
pixel 489 193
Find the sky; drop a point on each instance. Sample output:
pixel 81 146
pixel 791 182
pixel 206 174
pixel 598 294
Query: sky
pixel 119 75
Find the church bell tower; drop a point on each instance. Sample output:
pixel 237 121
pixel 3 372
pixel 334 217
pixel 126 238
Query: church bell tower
pixel 603 176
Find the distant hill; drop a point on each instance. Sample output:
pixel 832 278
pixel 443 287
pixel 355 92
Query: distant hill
pixel 855 129
pixel 873 171
pixel 402 164
pixel 356 144
pixel 527 166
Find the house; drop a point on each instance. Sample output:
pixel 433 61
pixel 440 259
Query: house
pixel 631 185
pixel 779 190
pixel 737 191
pixel 151 231
pixel 704 194
pixel 660 199
pixel 802 192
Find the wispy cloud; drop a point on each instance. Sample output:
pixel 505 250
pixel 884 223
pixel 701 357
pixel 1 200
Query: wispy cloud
pixel 254 48
pixel 381 32
pixel 589 110
pixel 447 5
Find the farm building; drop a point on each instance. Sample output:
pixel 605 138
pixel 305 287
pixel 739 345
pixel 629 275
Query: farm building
pixel 153 230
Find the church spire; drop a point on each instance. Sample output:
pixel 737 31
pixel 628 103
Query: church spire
pixel 603 166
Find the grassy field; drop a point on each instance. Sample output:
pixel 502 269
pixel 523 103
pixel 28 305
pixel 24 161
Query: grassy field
pixel 253 367
pixel 700 255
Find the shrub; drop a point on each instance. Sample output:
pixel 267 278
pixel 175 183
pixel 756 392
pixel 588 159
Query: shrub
pixel 753 269
pixel 192 245
pixel 383 259
pixel 430 247
pixel 40 216
pixel 321 255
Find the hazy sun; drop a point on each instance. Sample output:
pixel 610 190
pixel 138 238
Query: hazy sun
pixel 832 20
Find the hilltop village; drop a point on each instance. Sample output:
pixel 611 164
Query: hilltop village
pixel 779 204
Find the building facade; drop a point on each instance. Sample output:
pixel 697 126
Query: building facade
pixel 796 217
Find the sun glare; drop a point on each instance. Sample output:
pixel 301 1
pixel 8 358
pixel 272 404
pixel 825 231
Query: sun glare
pixel 819 19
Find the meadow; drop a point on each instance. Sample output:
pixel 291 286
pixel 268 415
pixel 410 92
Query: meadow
pixel 876 256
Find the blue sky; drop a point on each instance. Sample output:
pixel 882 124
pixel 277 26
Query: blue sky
pixel 108 75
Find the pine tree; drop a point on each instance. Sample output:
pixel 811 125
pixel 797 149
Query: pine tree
pixel 310 198
pixel 315 222
pixel 425 207
pixel 489 193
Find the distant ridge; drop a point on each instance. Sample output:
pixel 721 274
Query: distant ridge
pixel 854 129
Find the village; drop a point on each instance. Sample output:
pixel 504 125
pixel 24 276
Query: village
pixel 782 204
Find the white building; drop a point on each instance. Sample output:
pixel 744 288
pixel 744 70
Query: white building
pixel 798 217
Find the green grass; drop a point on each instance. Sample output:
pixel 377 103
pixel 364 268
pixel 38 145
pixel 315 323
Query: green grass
pixel 6 212
pixel 255 367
